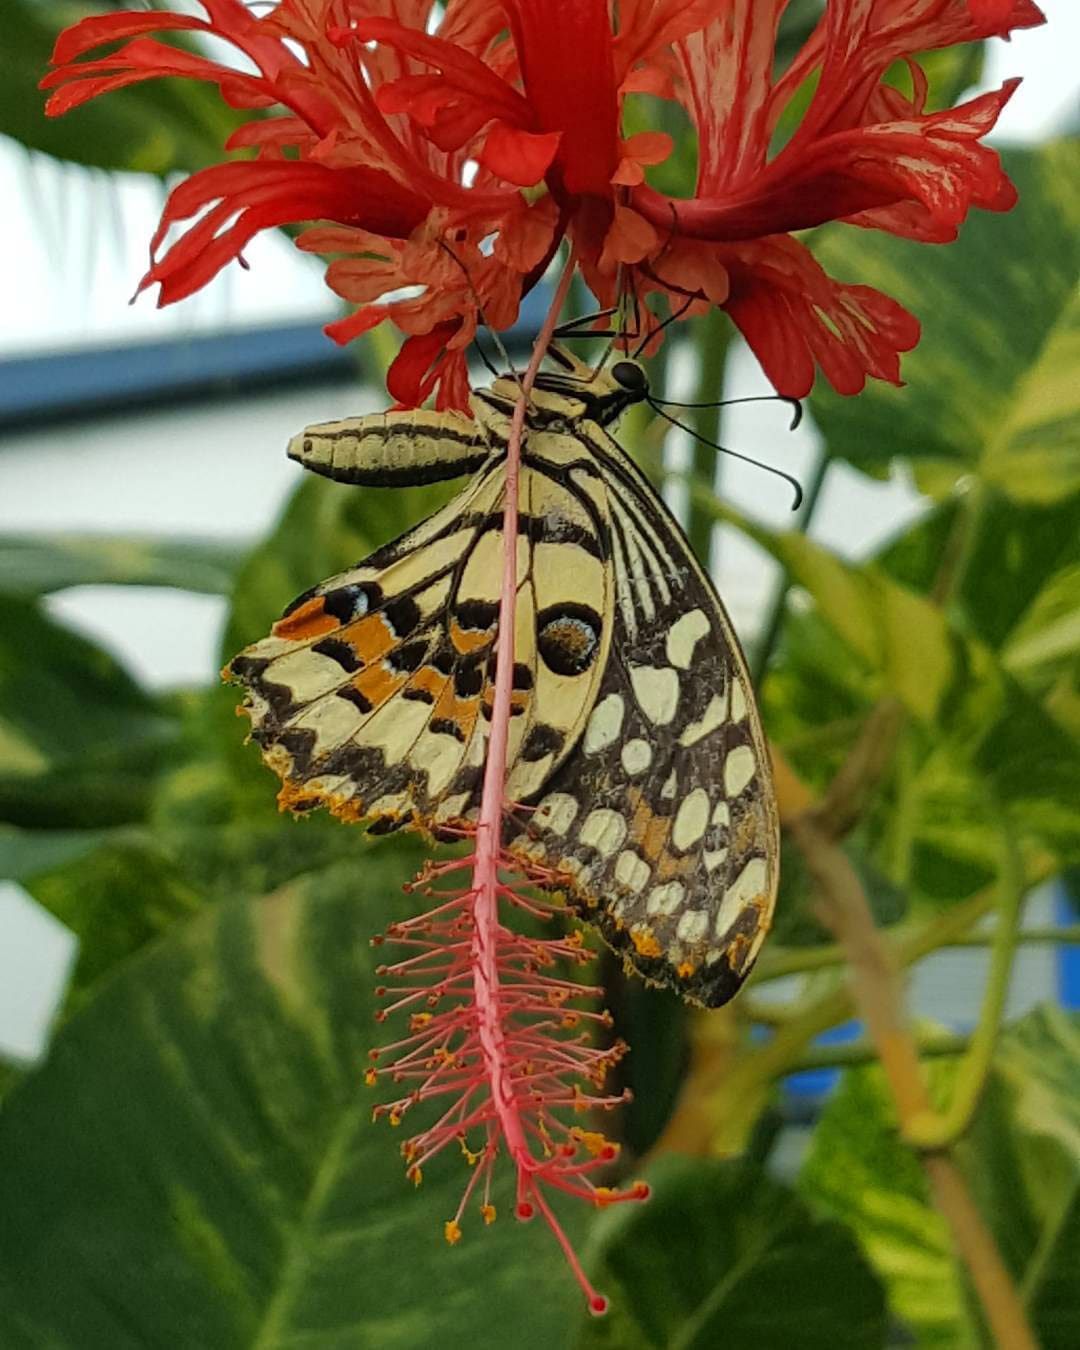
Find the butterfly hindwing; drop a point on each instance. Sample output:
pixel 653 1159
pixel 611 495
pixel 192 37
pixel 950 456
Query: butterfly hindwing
pixel 664 818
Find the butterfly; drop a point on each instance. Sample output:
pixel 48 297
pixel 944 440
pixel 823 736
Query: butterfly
pixel 634 739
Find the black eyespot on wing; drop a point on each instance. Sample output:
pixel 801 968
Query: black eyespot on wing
pixel 340 652
pixel 476 615
pixel 468 679
pixel 568 637
pixel 402 614
pixel 408 658
pixel 444 726
pixel 418 694
pixel 443 659
pixel 353 695
pixel 631 376
pixel 542 740
pixel 352 602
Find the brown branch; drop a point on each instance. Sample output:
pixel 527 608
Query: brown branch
pixel 877 989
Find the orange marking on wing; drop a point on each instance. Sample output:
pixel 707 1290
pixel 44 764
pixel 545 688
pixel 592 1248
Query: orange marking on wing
pixel 309 621
pixel 430 680
pixel 461 711
pixel 645 942
pixel 470 639
pixel 377 684
pixel 648 830
pixel 370 638
pixel 519 700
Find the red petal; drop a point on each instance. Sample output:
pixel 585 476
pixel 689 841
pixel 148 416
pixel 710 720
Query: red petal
pixel 793 315
pixel 418 366
pixel 934 161
pixel 463 71
pixel 728 73
pixel 92 32
pixel 565 51
pixel 141 59
pixel 647 26
pixel 265 194
pixel 519 157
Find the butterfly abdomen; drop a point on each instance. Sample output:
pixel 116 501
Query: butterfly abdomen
pixel 395 449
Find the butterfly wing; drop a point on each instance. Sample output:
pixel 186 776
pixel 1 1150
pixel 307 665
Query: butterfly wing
pixel 372 695
pixel 664 820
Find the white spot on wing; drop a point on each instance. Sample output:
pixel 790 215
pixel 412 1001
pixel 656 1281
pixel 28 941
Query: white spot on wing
pixel 666 898
pixel 684 636
pixel 691 819
pixel 556 812
pixel 603 830
pixel 604 724
pixel 738 701
pixel 631 871
pixel 749 885
pixel 714 858
pixel 453 806
pixel 692 926
pixel 656 689
pixel 739 768
pixel 636 756
pixel 710 720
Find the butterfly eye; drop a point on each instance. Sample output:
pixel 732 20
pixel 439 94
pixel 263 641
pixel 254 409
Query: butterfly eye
pixel 631 376
pixel 567 637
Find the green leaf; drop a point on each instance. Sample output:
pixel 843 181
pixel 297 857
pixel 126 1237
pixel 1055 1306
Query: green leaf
pixel 991 388
pixel 156 127
pixel 80 742
pixel 197 1162
pixel 33 565
pixel 26 853
pixel 724 1255
pixel 859 1171
pixel 1022 1160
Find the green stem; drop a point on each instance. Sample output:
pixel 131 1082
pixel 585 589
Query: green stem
pixel 712 343
pixel 784 1050
pixel 783 963
pixel 939 1129
pixel 771 631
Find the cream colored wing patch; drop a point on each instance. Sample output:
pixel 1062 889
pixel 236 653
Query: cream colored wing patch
pixel 373 693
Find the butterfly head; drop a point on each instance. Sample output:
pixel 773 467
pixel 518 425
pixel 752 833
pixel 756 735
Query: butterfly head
pixel 600 394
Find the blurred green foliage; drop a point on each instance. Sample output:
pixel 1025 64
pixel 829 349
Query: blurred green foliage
pixel 194 1164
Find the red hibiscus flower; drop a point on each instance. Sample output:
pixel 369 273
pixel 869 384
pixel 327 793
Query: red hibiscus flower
pixel 414 147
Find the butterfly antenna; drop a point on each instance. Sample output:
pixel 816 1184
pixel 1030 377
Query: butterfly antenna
pixel 735 454
pixel 572 327
pixel 671 318
pixel 794 403
pixel 480 314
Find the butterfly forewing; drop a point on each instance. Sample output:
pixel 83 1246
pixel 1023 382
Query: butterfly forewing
pixel 664 818
pixel 373 693
pixel 634 743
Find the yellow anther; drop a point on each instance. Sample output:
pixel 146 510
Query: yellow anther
pixel 452 1231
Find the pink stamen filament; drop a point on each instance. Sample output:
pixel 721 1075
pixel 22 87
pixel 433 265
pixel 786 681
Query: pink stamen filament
pixel 486 1020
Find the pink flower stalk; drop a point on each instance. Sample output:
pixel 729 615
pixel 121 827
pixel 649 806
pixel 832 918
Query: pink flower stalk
pixel 494 1031
pixel 489 1035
